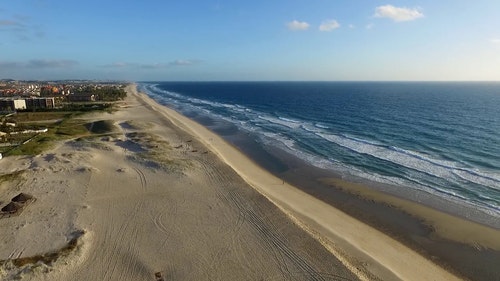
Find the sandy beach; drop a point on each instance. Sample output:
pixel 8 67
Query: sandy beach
pixel 163 197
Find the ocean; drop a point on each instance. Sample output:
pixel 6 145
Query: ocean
pixel 436 138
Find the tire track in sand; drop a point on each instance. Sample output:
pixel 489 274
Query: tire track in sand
pixel 228 226
pixel 289 263
pixel 117 251
pixel 142 178
pixel 127 234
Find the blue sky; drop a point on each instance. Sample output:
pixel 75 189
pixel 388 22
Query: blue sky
pixel 250 40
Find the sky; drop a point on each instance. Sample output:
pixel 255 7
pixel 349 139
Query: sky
pixel 231 40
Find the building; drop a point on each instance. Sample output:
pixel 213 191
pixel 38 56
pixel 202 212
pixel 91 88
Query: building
pixel 12 104
pixel 82 97
pixel 34 103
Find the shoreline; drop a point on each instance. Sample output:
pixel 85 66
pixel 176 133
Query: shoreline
pixel 443 221
pixel 346 234
pixel 276 159
pixel 432 230
pixel 280 163
pixel 161 194
pixel 436 234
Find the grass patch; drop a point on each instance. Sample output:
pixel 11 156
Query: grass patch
pixel 47 258
pixel 66 129
pixel 71 128
pixel 35 146
pixel 11 177
pixel 156 151
pixel 62 124
pixel 91 142
pixel 101 127
pixel 26 117
pixel 150 142
pixel 137 125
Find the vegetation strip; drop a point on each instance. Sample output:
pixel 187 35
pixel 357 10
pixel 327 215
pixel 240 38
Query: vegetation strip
pixel 47 258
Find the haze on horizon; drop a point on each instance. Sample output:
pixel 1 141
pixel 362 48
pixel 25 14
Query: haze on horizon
pixel 250 40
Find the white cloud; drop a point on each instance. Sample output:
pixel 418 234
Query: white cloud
pixel 184 62
pixel 9 23
pixel 153 65
pixel 40 63
pixel 398 14
pixel 10 64
pixel 329 25
pixel 495 41
pixel 52 63
pixel 369 26
pixel 117 65
pixel 297 25
pixel 21 28
pixel 352 26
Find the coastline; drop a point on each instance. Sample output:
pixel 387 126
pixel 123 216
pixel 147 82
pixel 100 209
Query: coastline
pixel 437 235
pixel 345 233
pixel 252 132
pixel 208 212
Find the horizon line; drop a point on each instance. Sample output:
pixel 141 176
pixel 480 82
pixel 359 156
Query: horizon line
pixel 239 81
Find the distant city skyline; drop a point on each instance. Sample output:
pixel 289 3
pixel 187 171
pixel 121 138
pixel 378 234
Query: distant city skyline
pixel 294 40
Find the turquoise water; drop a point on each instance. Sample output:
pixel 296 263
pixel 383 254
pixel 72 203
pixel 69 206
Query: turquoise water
pixel 439 138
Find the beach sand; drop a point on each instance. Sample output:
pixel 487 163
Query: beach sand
pixel 163 194
pixel 190 218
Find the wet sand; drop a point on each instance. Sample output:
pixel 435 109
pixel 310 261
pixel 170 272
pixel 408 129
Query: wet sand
pixel 436 229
